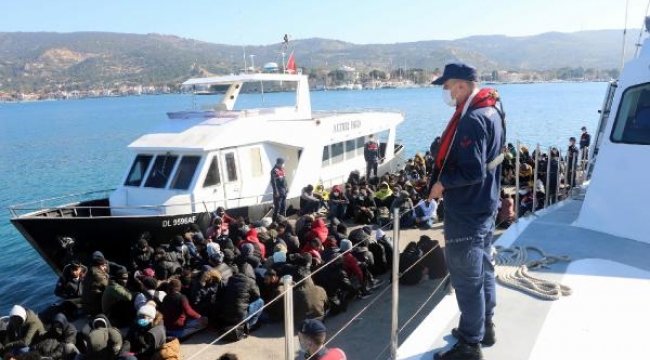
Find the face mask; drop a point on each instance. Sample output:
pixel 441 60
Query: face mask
pixel 143 322
pixel 304 347
pixel 447 99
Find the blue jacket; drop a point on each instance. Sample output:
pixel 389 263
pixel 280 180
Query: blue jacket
pixel 471 191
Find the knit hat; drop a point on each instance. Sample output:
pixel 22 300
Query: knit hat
pixel 358 235
pixel 147 310
pixel 97 256
pixel 279 161
pixel 149 272
pixel 247 248
pixel 279 257
pixel 19 311
pixel 312 327
pixel 367 229
pixel 379 234
pixel 121 274
pixel 266 221
pixel 345 245
pixel 228 256
pixel 99 322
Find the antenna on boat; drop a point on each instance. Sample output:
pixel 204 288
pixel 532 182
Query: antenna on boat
pixel 644 25
pixel 245 65
pixel 627 4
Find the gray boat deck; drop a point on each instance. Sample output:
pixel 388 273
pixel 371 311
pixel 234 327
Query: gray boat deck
pixel 604 318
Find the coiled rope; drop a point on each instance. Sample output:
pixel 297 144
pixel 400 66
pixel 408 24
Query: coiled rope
pixel 511 270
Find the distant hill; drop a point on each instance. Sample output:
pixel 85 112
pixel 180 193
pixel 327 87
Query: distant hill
pixel 32 61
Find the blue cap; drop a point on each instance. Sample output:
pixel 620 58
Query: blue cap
pixel 279 161
pixel 458 71
pixel 311 327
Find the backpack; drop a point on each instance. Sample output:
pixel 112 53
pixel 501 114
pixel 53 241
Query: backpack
pixel 171 350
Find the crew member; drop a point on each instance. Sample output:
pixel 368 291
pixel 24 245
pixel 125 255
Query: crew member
pixel 467 171
pixel 571 159
pixel 371 154
pixel 312 337
pixel 585 141
pixel 279 185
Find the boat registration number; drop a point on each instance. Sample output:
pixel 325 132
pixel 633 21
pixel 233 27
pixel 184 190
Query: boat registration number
pixel 179 221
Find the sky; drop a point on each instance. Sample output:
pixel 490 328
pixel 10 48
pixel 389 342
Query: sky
pixel 252 22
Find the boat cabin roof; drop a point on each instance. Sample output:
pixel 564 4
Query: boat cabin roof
pixel 240 78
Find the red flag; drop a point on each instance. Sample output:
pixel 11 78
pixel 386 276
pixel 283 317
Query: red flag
pixel 291 65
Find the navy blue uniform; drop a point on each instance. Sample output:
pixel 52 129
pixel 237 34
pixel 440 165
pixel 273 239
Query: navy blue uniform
pixel 471 198
pixel 279 185
pixel 371 155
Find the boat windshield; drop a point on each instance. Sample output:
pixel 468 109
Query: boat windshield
pixel 138 170
pixel 162 168
pixel 632 124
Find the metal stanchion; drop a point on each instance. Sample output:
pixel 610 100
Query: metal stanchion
pixel 289 349
pixel 535 178
pixel 567 181
pixel 394 326
pixel 548 176
pixel 517 157
pixel 559 171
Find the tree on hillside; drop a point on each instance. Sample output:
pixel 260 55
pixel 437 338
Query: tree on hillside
pixel 377 74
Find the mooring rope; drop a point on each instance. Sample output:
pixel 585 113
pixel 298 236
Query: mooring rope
pixel 511 270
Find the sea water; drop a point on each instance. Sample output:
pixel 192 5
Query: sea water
pixel 54 148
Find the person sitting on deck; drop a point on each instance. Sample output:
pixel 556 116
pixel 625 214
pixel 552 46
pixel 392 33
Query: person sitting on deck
pixel 146 336
pixel 101 340
pixel 24 328
pixel 309 202
pixel 310 300
pixel 312 335
pixel 405 209
pixel 166 264
pixel 363 207
pixel 506 214
pixel 59 341
pixel 70 284
pixel 425 212
pixel 241 299
pixel 337 203
pixel 384 196
pixel 117 300
pixel 141 255
pixel 180 319
pixel 94 284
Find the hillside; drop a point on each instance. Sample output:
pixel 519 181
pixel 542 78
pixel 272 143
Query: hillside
pixel 36 61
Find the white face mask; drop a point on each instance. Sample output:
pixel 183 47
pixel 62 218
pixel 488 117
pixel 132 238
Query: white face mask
pixel 447 99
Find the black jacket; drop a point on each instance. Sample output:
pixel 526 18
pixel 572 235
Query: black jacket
pixel 278 181
pixel 144 341
pixel 237 295
pixel 52 343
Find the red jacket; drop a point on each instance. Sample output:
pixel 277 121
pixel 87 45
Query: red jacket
pixel 318 230
pixel 351 266
pixel 251 238
pixel 176 309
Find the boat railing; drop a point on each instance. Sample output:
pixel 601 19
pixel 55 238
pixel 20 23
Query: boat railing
pixel 355 111
pixel 70 204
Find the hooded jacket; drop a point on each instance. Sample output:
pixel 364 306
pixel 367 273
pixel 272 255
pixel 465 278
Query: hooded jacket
pixel 251 238
pixel 25 334
pixel 52 342
pixel 103 343
pixel 145 340
pixel 310 301
pixel 318 230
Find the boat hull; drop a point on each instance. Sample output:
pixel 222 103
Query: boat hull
pixel 115 235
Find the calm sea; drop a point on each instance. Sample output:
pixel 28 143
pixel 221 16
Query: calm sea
pixel 53 148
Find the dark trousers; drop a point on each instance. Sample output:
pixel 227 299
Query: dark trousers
pixel 279 206
pixel 371 166
pixel 472 274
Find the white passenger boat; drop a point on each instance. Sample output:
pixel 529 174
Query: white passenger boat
pixel 200 160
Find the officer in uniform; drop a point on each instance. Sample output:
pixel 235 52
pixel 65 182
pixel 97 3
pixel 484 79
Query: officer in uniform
pixel 279 185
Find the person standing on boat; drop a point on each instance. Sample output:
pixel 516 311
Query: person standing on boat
pixel 467 172
pixel 371 155
pixel 585 141
pixel 572 162
pixel 279 185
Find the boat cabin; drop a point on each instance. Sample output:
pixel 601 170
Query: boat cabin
pixel 200 160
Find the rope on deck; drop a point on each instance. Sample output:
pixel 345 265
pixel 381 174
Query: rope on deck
pixel 511 270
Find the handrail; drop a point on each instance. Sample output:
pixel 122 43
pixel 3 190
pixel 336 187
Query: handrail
pixel 62 197
pixel 22 207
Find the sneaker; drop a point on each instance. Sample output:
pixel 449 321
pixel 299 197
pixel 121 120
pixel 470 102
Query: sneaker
pixel 376 283
pixel 461 351
pixel 489 338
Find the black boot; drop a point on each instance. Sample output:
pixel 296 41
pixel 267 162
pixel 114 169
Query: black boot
pixel 461 351
pixel 489 338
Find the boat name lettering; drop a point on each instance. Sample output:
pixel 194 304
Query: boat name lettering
pixel 347 125
pixel 179 221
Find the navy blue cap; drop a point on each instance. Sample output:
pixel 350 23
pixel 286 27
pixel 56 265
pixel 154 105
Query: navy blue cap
pixel 458 71
pixel 312 327
pixel 279 161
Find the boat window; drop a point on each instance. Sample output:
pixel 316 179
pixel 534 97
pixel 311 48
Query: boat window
pixel 256 162
pixel 361 143
pixel 632 124
pixel 185 172
pixel 213 177
pixel 326 155
pixel 138 169
pixel 231 167
pixel 162 168
pixel 337 152
pixel 350 149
